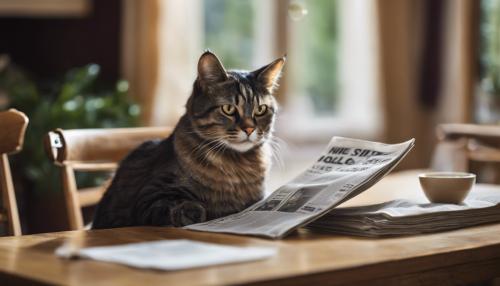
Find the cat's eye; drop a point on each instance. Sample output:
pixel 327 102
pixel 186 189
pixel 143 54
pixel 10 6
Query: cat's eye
pixel 261 110
pixel 228 109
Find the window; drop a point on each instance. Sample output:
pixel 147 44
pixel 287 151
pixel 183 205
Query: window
pixel 329 85
pixel 241 33
pixel 332 83
pixel 313 52
pixel 229 32
pixel 234 36
pixel 488 95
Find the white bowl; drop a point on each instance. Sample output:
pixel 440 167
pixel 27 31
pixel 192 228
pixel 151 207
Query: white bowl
pixel 447 187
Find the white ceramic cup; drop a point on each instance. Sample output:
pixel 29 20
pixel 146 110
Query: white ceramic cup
pixel 447 187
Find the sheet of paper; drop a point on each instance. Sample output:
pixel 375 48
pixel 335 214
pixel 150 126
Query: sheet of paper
pixel 170 254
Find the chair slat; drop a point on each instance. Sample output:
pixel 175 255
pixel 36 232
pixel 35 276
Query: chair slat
pixel 90 196
pixel 93 167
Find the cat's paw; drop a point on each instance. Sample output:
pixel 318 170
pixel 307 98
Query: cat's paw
pixel 188 213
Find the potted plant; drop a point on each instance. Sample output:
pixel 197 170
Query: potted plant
pixel 78 100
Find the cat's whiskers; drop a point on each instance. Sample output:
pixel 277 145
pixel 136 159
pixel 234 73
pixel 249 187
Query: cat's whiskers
pixel 205 151
pixel 202 146
pixel 276 145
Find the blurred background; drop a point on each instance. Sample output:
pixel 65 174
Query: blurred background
pixel 385 70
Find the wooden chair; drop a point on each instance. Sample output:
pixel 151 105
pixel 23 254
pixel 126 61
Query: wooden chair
pixel 12 128
pixel 471 144
pixel 92 150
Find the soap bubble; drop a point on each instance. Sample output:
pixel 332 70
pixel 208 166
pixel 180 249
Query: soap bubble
pixel 297 10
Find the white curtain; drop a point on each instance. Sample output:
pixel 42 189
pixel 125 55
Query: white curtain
pixel 179 40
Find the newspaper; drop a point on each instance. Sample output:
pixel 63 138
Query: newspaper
pixel 346 168
pixel 174 254
pixel 403 217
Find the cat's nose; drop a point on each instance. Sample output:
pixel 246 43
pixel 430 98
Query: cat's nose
pixel 249 130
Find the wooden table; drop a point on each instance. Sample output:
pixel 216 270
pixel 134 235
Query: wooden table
pixel 304 258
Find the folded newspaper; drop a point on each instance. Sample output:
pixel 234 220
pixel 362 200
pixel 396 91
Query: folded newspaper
pixel 346 168
pixel 403 217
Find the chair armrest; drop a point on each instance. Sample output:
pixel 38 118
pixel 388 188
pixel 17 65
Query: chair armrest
pixel 485 134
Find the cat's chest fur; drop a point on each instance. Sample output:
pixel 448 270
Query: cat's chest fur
pixel 225 180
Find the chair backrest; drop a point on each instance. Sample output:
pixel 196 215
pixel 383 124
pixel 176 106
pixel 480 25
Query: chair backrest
pixel 470 144
pixel 91 150
pixel 12 128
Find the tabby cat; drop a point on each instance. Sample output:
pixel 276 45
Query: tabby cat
pixel 213 164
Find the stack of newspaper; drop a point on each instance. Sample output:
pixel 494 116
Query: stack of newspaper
pixel 402 217
pixel 346 168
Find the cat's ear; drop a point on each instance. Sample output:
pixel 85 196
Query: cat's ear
pixel 269 75
pixel 210 69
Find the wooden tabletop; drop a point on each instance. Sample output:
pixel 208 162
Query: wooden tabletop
pixel 304 258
